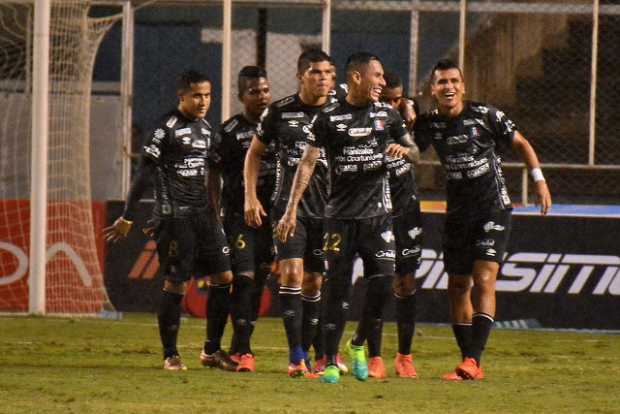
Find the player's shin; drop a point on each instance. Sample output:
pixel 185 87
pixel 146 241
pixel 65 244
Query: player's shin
pixel 405 321
pixel 378 292
pixel 169 319
pixel 334 321
pixel 243 286
pixel 290 304
pixel 310 321
pixel 218 308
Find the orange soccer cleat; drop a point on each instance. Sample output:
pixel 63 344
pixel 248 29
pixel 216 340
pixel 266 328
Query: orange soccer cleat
pixel 246 363
pixel 403 364
pixel 469 370
pixel 376 368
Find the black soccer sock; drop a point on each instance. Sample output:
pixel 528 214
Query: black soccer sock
pixel 462 333
pixel 169 320
pixel 242 312
pixel 310 320
pixel 377 294
pixel 290 304
pixel 334 316
pixel 405 322
pixel 480 330
pixel 375 338
pixel 260 278
pixel 218 308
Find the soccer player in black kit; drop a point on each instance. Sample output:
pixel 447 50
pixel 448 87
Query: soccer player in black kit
pixel 466 136
pixel 407 223
pixel 190 239
pixel 287 122
pixel 252 248
pixel 357 134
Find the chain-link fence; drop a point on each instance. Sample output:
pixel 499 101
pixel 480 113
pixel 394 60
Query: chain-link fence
pixel 550 65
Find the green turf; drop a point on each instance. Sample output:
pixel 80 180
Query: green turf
pixel 56 365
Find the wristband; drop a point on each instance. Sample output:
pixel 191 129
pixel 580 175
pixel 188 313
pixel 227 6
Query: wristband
pixel 537 174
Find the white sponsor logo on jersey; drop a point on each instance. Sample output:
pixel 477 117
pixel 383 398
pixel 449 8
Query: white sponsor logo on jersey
pixel 293 115
pixel 343 117
pixel 359 132
pixel 182 131
pixel 490 225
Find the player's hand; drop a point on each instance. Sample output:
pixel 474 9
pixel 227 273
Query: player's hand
pixel 119 230
pixel 407 111
pixel 254 212
pixel 543 197
pixel 396 151
pixel 286 226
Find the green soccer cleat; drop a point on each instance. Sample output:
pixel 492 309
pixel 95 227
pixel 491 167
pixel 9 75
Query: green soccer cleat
pixel 359 364
pixel 331 375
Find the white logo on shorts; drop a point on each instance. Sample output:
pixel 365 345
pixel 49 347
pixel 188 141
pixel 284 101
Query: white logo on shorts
pixel 415 232
pixel 492 226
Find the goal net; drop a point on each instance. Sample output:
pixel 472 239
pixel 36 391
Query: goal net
pixel 74 280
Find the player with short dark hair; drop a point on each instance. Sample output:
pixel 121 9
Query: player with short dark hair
pixel 252 248
pixel 467 137
pixel 357 133
pixel 287 123
pixel 407 223
pixel 190 239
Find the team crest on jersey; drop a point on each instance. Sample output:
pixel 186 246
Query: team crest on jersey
pixel 388 236
pixel 359 132
pixel 474 132
pixel 341 127
pixel 171 122
pixel 379 124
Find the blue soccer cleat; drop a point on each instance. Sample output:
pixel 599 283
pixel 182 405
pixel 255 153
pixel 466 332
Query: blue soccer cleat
pixel 359 364
pixel 331 375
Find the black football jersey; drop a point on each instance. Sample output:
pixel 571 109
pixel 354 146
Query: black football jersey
pixel 179 147
pixel 355 139
pixel 228 154
pixel 467 148
pixel 287 123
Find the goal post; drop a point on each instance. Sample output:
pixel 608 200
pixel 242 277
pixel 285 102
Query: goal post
pixel 49 260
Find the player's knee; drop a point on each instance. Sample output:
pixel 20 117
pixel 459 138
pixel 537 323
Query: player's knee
pixel 246 274
pixel 404 285
pixel 174 286
pixel 459 285
pixel 311 284
pixel 222 278
pixel 291 272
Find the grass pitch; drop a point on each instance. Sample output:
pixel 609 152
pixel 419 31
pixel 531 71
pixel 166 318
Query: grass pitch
pixel 58 365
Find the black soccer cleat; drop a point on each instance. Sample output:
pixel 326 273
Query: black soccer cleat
pixel 218 359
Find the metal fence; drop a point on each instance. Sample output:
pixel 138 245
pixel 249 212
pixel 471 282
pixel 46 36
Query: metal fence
pixel 550 65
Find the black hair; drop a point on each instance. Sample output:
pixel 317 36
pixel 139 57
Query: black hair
pixel 356 61
pixel 445 64
pixel 246 74
pixel 309 57
pixel 185 80
pixel 392 80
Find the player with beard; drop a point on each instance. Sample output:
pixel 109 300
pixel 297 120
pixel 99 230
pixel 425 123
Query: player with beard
pixel 287 123
pixel 252 248
pixel 190 239
pixel 467 137
pixel 407 222
pixel 356 133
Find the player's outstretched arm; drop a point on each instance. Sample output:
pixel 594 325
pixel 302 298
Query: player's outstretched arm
pixel 286 225
pixel 122 226
pixel 253 209
pixel 529 157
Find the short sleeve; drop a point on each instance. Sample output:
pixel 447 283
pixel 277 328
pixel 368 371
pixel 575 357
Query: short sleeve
pixel 265 131
pixel 503 127
pixel 155 143
pixel 318 133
